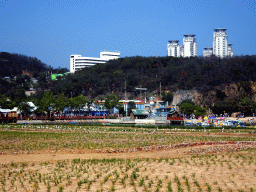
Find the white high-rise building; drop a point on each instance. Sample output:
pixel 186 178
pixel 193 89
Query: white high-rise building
pixel 173 48
pixel 220 43
pixel 230 50
pixel 78 62
pixel 190 45
pixel 208 51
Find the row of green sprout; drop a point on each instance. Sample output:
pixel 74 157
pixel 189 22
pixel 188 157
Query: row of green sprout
pixel 151 174
pixel 96 139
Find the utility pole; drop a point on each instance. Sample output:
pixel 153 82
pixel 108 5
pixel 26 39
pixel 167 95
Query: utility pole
pixel 160 90
pixel 125 101
pixel 142 89
pixel 125 92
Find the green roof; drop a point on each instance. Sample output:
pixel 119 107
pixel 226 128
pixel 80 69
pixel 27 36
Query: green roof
pixel 54 76
pixel 140 112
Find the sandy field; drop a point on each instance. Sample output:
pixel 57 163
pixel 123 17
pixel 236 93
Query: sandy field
pixel 195 166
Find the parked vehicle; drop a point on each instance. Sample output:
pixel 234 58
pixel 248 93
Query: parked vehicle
pixel 188 123
pixel 228 123
pixel 205 124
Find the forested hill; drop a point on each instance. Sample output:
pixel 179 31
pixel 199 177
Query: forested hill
pixel 212 77
pixel 17 72
pixel 198 73
pixel 12 64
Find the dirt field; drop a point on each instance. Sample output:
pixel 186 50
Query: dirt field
pixel 179 166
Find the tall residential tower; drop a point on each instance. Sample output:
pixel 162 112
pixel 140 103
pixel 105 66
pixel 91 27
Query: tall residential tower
pixel 220 43
pixel 173 48
pixel 188 49
pixel 190 45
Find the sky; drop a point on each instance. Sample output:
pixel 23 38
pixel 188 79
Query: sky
pixel 52 30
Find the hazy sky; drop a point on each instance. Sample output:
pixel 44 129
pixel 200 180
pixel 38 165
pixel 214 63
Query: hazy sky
pixel 53 30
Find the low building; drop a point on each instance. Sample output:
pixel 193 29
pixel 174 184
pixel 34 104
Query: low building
pixel 139 104
pixel 30 92
pixel 162 112
pixel 139 114
pixel 208 51
pixel 230 50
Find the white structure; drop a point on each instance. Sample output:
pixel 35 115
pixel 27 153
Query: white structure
pixel 230 50
pixel 173 48
pixel 190 45
pixel 220 43
pixel 78 62
pixel 182 50
pixel 208 51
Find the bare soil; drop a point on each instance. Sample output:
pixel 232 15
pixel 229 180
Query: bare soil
pixel 42 156
pixel 203 167
pixel 161 152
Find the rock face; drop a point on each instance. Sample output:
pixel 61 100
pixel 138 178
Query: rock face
pixel 181 95
pixel 233 91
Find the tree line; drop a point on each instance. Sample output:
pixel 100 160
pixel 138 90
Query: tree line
pixel 50 103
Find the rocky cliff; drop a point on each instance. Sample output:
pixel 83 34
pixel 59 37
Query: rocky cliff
pixel 234 91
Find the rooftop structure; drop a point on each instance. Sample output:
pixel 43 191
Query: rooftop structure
pixel 174 41
pixel 220 30
pixel 189 35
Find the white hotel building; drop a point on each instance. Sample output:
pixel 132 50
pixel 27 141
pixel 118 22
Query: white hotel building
pixel 78 62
